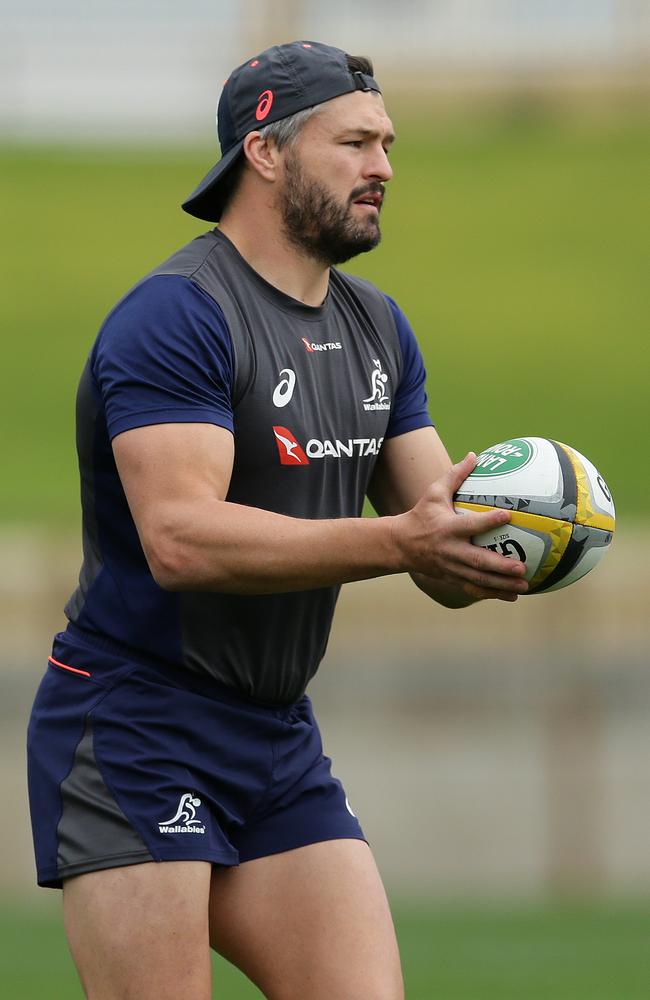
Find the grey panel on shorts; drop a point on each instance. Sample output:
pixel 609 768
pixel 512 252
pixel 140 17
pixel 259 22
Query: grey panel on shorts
pixel 93 831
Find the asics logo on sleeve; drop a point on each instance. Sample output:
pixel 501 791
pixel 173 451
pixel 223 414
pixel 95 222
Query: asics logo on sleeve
pixel 284 389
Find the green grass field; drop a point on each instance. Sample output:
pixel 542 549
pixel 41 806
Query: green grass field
pixel 479 953
pixel 517 247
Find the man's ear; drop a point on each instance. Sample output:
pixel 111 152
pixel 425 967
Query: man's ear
pixel 262 155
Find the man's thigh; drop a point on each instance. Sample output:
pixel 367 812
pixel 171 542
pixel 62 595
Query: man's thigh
pixel 309 924
pixel 140 932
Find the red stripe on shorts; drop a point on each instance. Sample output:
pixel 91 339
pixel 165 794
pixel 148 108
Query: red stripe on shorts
pixel 64 666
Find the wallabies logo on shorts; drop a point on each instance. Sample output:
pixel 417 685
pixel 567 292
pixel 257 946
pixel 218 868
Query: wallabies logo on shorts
pixel 184 820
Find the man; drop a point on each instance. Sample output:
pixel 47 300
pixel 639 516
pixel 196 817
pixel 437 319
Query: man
pixel 236 408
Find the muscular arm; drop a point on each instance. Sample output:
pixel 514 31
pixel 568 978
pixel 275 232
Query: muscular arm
pixel 407 466
pixel 176 478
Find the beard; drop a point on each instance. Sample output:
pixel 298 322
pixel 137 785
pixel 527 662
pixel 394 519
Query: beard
pixel 315 222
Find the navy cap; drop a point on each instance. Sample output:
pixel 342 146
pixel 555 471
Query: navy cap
pixel 279 82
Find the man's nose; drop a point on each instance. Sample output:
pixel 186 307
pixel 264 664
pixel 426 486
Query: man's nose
pixel 378 165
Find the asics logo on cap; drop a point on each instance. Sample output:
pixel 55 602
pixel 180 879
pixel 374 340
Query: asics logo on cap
pixel 264 106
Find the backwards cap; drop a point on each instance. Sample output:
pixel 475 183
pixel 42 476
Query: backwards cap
pixel 277 83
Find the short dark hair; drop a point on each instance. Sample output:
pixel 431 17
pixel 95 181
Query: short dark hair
pixel 360 64
pixel 283 133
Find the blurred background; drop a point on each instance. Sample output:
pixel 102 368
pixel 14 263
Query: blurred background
pixel 498 757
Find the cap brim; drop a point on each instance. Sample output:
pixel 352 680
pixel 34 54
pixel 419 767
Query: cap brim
pixel 206 201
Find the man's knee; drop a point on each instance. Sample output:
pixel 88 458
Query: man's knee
pixel 389 986
pixel 375 984
pixel 371 991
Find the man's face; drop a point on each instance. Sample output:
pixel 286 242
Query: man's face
pixel 332 188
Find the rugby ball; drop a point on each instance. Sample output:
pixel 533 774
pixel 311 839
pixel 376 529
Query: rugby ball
pixel 563 516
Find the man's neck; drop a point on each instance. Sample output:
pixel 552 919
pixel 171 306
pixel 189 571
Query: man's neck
pixel 277 261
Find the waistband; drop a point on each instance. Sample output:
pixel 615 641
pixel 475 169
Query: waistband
pixel 176 673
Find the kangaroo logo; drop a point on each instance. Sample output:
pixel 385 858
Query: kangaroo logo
pixel 378 398
pixel 289 450
pixel 184 819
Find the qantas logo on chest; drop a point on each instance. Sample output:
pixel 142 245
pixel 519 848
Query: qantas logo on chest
pixel 292 453
pixel 313 347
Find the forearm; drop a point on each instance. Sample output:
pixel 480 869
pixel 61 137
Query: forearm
pixel 216 545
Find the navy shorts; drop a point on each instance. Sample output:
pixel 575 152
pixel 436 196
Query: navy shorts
pixel 132 762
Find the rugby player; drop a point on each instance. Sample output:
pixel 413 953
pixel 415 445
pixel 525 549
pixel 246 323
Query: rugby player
pixel 236 408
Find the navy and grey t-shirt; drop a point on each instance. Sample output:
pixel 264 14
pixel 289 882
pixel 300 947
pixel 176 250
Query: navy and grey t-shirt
pixel 309 393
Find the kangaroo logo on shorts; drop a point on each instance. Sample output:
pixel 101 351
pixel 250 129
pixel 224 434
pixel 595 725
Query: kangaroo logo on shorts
pixel 184 819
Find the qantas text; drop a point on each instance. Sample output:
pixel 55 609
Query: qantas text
pixel 361 447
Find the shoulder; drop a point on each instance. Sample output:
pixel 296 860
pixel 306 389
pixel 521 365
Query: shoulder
pixel 175 282
pixel 342 281
pixel 163 306
pixel 404 328
pixel 367 291
pixel 381 304
pixel 163 316
pixel 349 290
pixel 191 259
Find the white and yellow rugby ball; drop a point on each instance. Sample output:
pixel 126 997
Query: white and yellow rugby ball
pixel 563 517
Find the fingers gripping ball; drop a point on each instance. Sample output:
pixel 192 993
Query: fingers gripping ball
pixel 562 512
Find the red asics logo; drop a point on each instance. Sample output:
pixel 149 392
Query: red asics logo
pixel 290 451
pixel 264 106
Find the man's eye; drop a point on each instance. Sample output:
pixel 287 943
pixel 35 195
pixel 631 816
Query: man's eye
pixel 357 143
